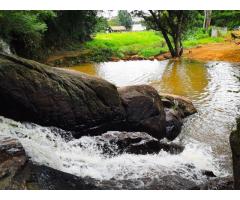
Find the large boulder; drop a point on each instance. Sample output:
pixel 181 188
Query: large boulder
pixel 30 91
pixel 144 110
pixel 83 104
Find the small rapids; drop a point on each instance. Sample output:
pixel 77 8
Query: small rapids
pixel 214 89
pixel 85 157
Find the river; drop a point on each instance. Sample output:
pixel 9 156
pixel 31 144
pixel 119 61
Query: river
pixel 213 87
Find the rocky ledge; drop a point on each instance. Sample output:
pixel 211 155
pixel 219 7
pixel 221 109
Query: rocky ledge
pixel 85 105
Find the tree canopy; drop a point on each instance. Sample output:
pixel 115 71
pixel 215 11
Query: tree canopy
pixel 226 18
pixel 125 19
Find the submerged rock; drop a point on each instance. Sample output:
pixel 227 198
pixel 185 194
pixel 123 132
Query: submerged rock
pixel 114 143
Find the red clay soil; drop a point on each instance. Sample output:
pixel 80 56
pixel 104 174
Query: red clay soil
pixel 226 51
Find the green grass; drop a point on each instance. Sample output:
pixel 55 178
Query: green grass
pixel 194 42
pixel 145 44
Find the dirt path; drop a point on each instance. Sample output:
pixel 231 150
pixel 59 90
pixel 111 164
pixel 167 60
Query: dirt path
pixel 226 51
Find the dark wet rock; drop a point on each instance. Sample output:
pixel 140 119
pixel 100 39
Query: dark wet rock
pixel 168 182
pixel 174 123
pixel 235 147
pixel 42 177
pixel 30 91
pixel 144 110
pixel 208 173
pixel 12 159
pixel 35 177
pixel 82 104
pixel 171 182
pixel 181 104
pixel 218 183
pixel 114 143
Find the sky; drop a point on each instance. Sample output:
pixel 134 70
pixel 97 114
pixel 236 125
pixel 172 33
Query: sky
pixel 113 13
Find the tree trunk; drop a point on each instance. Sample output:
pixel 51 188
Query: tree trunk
pixel 169 44
pixel 207 19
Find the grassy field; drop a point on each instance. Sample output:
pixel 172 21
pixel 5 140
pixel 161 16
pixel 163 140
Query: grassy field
pixel 145 44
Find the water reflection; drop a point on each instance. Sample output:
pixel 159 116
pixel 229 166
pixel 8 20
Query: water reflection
pixel 125 73
pixel 181 77
pixel 185 78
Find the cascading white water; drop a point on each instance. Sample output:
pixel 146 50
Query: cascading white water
pixel 83 157
pixel 204 135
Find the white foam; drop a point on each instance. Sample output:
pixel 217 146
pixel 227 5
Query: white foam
pixel 83 157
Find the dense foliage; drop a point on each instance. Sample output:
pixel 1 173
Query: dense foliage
pixel 227 18
pixel 24 30
pixel 101 25
pixel 31 33
pixel 172 24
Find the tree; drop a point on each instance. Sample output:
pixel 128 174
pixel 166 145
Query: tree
pixel 114 21
pixel 172 24
pixel 125 19
pixel 24 30
pixel 70 26
pixel 101 25
pixel 34 34
pixel 207 19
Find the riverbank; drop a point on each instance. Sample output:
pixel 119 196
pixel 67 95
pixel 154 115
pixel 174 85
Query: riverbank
pixel 146 45
pixel 224 51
